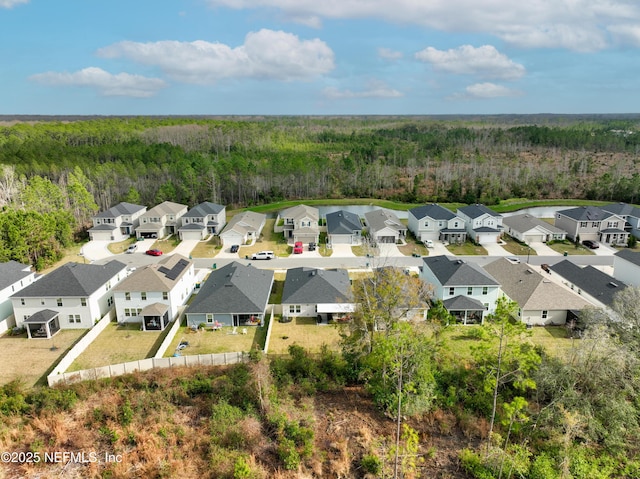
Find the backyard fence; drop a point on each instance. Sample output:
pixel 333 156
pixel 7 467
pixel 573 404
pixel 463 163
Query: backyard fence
pixel 268 336
pixel 114 370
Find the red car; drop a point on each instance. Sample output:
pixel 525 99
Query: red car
pixel 154 252
pixel 297 248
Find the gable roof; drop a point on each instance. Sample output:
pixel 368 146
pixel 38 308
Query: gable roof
pixel 234 288
pixel 477 210
pixel 11 272
pixel 463 303
pixel 161 276
pixel 300 211
pixel 72 280
pixel 531 290
pixel 629 255
pixel 622 209
pixel 433 211
pixel 312 286
pixel 245 222
pixel 381 219
pixel 165 208
pixel 586 213
pixel 203 209
pixel 594 282
pixel 343 222
pixel 455 272
pixel 526 222
pixel 120 209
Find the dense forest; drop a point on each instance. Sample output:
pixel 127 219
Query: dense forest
pixel 89 164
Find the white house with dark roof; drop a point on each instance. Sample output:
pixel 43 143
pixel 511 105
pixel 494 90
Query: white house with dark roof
pixel 161 220
pixel 309 292
pixel 592 223
pixel 152 295
pixel 243 228
pixel 529 229
pixel 541 301
pixel 300 223
pixel 483 224
pixel 384 226
pixel 626 267
pixel 466 290
pixel 14 277
pixel 434 222
pixel 117 223
pixel 74 296
pixel 344 227
pixel 234 295
pixel 629 213
pixel 203 220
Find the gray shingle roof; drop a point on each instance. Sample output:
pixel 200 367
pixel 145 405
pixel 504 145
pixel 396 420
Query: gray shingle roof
pixel 622 209
pixel 309 286
pixel 12 272
pixel 463 303
pixel 157 277
pixel 629 256
pixel 381 219
pixel 234 288
pixel 594 282
pixel 475 211
pixel 586 213
pixel 120 209
pixel 72 280
pixel 300 211
pixel 203 209
pixel 433 211
pixel 525 222
pixel 455 272
pixel 343 223
pixel 245 222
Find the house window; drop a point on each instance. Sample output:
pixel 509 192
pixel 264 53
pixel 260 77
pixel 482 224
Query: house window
pixel 426 224
pixel 455 225
pixel 583 224
pixel 209 318
pixel 165 295
pixel 74 318
pixel 486 306
pixel 452 291
pixel 469 291
pixel 294 308
pixel 143 296
pixel 612 224
pixel 594 224
pixel 22 301
pixel 138 312
pixel 127 312
pixel 485 290
pixel 545 314
pixel 127 296
pixel 83 301
pixel 108 285
pixel 110 301
pixel 42 302
pixel 59 300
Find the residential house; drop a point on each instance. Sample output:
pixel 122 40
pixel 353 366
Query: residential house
pixel 385 227
pixel 309 292
pixel 541 301
pixel 14 277
pixel 117 223
pixel 74 296
pixel 300 223
pixel 344 227
pixel 467 291
pixel 160 221
pixel 434 222
pixel 234 295
pixel 630 213
pixel 592 284
pixel 592 223
pixel 152 295
pixel 243 228
pixel 529 229
pixel 626 267
pixel 203 220
pixel 483 225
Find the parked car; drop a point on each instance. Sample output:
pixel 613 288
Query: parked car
pixel 132 248
pixel 513 259
pixel 591 244
pixel 312 246
pixel 154 252
pixel 297 248
pixel 428 244
pixel 263 255
pixel 234 248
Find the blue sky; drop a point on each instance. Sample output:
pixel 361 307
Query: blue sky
pixel 319 57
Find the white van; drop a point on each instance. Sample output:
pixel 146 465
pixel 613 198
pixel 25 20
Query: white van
pixel 263 255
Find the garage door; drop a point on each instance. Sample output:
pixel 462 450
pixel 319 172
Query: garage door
pixel 386 239
pixel 191 235
pixel 484 238
pixel 534 238
pixel 231 239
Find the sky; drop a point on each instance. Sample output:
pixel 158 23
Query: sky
pixel 319 57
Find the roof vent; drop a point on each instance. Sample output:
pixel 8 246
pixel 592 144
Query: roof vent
pixel 529 271
pixel 615 285
pixel 459 261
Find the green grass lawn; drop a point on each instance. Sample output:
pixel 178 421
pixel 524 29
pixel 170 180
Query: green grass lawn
pixel 207 249
pixel 467 249
pixel 268 241
pixel 303 332
pixel 515 247
pixel 276 291
pixel 221 341
pixel 568 247
pixel 166 245
pixel 120 246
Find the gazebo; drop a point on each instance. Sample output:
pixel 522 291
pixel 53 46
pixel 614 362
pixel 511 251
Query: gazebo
pixel 43 324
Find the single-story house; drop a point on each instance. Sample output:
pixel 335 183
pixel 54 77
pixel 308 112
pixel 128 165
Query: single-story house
pixel 234 295
pixel 203 220
pixel 14 277
pixel 243 228
pixel 626 267
pixel 117 223
pixel 529 229
pixel 385 227
pixel 344 227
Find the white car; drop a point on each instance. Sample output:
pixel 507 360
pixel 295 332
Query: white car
pixel 263 255
pixel 513 259
pixel 132 248
pixel 429 244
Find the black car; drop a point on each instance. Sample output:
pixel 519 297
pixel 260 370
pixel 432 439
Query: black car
pixel 591 244
pixel 235 248
pixel 312 246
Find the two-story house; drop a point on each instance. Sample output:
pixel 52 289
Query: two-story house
pixel 117 223
pixel 344 227
pixel 467 291
pixel 483 225
pixel 300 223
pixel 384 226
pixel 74 296
pixel 160 221
pixel 152 295
pixel 626 267
pixel 203 220
pixel 631 215
pixel 592 223
pixel 14 277
pixel 434 222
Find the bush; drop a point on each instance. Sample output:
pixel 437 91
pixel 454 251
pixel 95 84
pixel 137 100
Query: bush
pixel 12 400
pixel 543 468
pixel 371 464
pixel 53 399
pixel 288 454
pixel 472 463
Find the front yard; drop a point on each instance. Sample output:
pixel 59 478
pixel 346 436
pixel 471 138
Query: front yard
pixel 467 249
pixel 207 249
pixel 268 241
pixel 516 248
pixel 568 247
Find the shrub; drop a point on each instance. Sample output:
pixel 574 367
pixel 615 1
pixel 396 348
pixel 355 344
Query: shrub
pixel 288 454
pixel 472 463
pixel 371 464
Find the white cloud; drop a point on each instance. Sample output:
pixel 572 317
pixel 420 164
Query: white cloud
pixel 11 3
pixel 374 89
pixel 265 54
pixel 484 61
pixel 487 90
pixel 388 54
pixel 628 34
pixel 108 84
pixel 581 25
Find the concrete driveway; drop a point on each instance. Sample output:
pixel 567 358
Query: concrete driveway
pixel 342 251
pixel 542 249
pixel 604 250
pixel 494 249
pixel 439 249
pixel 96 250
pixel 184 248
pixel 388 250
